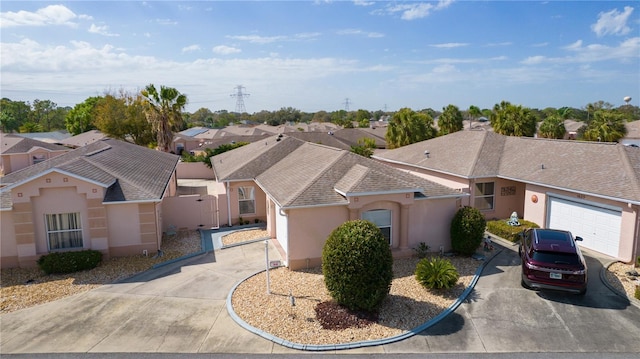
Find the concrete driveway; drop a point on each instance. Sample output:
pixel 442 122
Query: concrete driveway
pixel 502 316
pixel 181 309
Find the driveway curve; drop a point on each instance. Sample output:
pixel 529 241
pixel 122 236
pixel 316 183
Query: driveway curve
pixel 181 308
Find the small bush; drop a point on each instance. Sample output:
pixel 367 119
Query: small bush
pixel 357 265
pixel 422 250
pixel 637 294
pixel 511 233
pixel 69 262
pixel 467 230
pixel 436 273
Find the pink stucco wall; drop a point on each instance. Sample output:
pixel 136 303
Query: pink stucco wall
pixel 18 161
pixel 194 170
pixel 260 204
pixel 413 221
pixel 8 245
pixel 115 229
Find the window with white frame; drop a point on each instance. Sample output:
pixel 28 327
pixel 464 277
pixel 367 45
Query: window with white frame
pixel 64 230
pixel 382 219
pixel 484 196
pixel 246 200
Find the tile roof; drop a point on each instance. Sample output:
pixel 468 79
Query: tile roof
pixel 603 169
pixel 131 172
pixel 11 143
pixel 297 173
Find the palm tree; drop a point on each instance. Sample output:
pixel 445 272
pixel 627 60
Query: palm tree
pixel 606 126
pixel 164 112
pixel 510 120
pixel 407 127
pixel 474 112
pixel 552 127
pixel 450 120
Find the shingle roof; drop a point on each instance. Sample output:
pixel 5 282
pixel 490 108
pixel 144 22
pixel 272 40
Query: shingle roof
pixel 297 173
pixel 462 153
pixel 18 144
pixel 84 138
pixel 131 172
pixel 603 169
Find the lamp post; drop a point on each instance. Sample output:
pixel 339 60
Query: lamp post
pixel 266 255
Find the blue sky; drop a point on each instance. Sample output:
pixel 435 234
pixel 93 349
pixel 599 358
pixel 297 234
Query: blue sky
pixel 323 55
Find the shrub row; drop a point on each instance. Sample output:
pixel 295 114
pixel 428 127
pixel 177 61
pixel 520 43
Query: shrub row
pixel 502 229
pixel 69 262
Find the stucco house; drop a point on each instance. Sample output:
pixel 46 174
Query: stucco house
pixel 305 190
pixel 18 152
pixel 589 188
pixel 105 196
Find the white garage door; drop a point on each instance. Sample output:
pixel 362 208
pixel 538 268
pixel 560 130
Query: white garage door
pixel 598 226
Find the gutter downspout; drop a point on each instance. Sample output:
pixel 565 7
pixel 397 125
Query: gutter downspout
pixel 228 203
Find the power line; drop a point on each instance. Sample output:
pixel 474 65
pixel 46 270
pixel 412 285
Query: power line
pixel 239 95
pixel 346 104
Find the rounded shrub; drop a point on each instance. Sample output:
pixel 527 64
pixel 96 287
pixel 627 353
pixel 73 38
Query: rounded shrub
pixel 69 262
pixel 436 273
pixel 357 265
pixel 467 229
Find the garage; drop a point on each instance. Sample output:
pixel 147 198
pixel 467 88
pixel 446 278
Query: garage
pixel 597 224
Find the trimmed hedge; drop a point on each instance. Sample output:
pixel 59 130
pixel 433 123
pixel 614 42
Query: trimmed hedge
pixel 467 230
pixel 357 265
pixel 69 262
pixel 502 229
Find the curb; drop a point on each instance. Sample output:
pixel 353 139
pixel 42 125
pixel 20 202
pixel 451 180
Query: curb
pixel 603 278
pixel 360 344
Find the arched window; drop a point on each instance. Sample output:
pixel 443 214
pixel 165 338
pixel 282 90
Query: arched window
pixel 382 219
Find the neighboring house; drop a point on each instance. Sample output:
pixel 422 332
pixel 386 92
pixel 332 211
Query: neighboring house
pixel 83 139
pixel 49 137
pixel 305 190
pixel 589 188
pixel 19 152
pixel 105 196
pixel 633 134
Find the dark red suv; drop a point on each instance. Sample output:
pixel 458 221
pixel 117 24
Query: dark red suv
pixel 552 260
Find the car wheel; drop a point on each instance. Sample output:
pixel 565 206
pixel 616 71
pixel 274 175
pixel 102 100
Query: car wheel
pixel 524 285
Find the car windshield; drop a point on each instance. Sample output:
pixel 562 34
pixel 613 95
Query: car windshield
pixel 556 258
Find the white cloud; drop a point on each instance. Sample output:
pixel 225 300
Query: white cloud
pixel 420 10
pixel 627 50
pixel 226 50
pixel 50 15
pixel 450 45
pixel 101 30
pixel 360 33
pixel 363 3
pixel 613 22
pixel 191 48
pixel 257 39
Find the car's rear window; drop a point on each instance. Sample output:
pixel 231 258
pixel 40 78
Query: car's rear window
pixel 553 236
pixel 556 258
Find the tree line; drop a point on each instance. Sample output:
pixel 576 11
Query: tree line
pixel 151 116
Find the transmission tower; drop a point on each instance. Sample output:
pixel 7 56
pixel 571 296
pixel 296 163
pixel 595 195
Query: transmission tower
pixel 239 95
pixel 346 104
